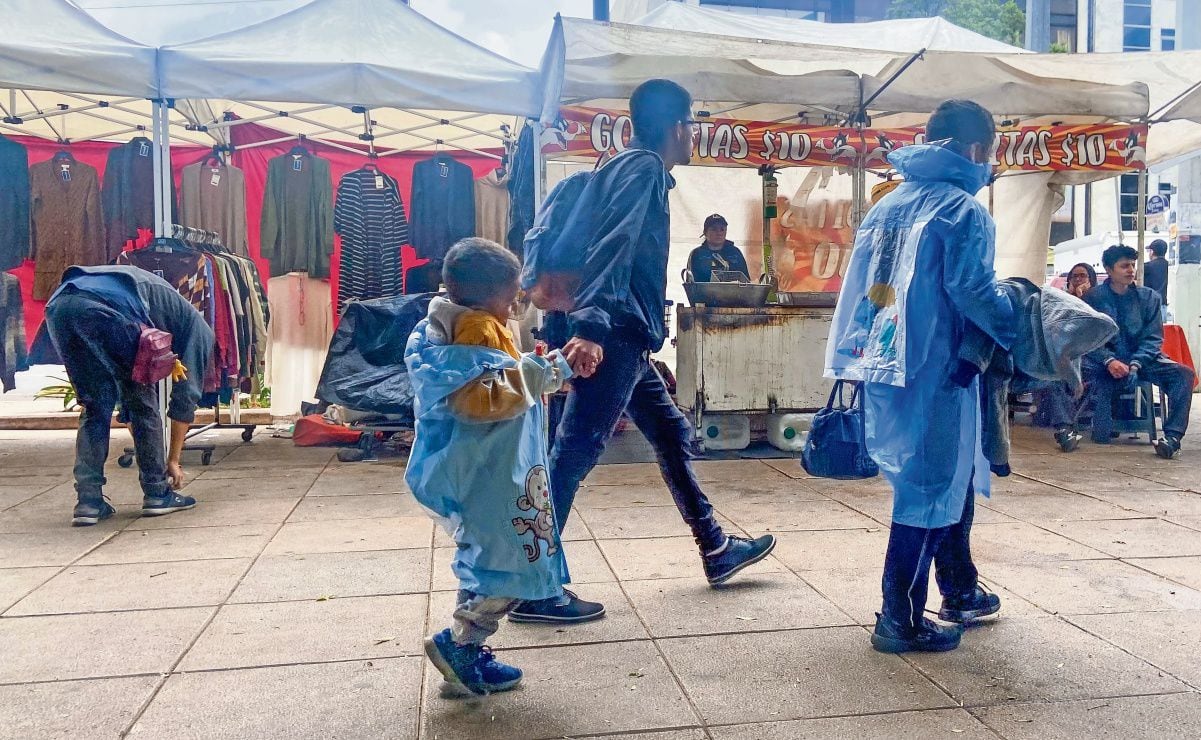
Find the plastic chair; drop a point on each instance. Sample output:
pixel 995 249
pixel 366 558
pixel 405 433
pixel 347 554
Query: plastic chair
pixel 1135 412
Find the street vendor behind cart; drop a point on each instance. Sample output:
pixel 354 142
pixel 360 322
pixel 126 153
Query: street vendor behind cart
pixel 716 254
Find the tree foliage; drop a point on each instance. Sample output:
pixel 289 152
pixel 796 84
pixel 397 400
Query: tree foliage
pixel 1002 20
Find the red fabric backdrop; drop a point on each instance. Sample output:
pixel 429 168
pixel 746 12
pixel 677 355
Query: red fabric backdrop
pixel 254 163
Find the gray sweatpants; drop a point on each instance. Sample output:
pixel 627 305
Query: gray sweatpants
pixel 477 617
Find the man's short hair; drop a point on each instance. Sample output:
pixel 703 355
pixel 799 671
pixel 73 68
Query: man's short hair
pixel 1158 247
pixel 477 270
pixel 1116 254
pixel 962 120
pixel 655 107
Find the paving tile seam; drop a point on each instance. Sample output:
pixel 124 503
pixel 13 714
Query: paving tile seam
pixel 1158 575
pixel 1195 686
pixel 63 568
pixel 207 623
pixel 973 708
pixel 115 676
pixel 671 669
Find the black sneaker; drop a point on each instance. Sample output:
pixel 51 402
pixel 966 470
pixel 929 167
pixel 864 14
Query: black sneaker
pixel 91 512
pixel 1167 447
pixel 1067 440
pixel 571 610
pixel 965 609
pixel 736 554
pixel 165 504
pixel 891 636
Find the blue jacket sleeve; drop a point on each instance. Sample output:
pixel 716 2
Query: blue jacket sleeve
pixel 970 279
pixel 630 195
pixel 1108 351
pixel 1150 343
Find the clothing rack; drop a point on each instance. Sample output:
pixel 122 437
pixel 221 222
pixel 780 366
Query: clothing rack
pixel 203 241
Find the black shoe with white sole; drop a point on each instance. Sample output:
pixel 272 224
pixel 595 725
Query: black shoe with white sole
pixel 1167 447
pixel 91 512
pixel 966 609
pixel 570 609
pixel 736 554
pixel 166 504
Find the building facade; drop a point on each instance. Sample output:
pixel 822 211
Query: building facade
pixel 830 11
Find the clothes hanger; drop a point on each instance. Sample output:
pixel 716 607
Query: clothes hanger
pixel 214 157
pixel 299 148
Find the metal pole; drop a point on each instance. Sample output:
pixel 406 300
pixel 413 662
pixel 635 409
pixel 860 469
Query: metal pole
pixel 600 10
pixel 158 165
pixel 1141 222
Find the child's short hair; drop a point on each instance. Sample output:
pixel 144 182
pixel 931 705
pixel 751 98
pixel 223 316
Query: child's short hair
pixel 476 270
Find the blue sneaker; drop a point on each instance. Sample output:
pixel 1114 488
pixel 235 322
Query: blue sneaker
pixel 736 554
pixel 91 512
pixel 570 609
pixel 470 667
pixel 165 504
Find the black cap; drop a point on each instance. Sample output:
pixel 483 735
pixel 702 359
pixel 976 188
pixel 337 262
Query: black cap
pixel 715 220
pixel 1158 247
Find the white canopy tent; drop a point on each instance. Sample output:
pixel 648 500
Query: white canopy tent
pixel 768 78
pixel 353 74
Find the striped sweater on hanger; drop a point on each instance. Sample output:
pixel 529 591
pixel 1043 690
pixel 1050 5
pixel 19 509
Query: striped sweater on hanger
pixel 370 217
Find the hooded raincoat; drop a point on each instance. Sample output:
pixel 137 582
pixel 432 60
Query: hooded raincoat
pixel 922 266
pixel 479 461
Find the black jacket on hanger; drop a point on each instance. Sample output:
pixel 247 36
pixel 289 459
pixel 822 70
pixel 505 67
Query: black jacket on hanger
pixel 128 193
pixel 14 204
pixel 443 205
pixel 521 190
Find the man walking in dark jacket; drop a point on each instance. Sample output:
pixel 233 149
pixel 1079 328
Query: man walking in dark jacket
pixel 1135 354
pixel 617 323
pixel 1155 272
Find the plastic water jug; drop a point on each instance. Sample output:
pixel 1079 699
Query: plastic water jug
pixel 725 432
pixel 787 431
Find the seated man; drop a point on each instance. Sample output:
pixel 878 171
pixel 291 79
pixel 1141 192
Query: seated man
pixel 1135 354
pixel 716 253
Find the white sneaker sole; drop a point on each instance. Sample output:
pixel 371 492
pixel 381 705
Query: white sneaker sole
pixel 170 510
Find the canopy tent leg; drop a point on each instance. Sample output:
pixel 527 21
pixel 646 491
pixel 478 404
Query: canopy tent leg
pixel 1141 222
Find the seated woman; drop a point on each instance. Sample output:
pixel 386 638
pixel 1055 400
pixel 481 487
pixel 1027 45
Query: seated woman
pixel 1055 402
pixel 717 253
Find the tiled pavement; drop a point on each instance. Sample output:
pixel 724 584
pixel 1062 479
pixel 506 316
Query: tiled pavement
pixel 292 602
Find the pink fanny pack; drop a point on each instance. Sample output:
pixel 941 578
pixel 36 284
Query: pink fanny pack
pixel 154 360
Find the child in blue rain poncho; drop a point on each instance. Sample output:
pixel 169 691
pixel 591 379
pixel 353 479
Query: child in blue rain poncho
pixel 479 460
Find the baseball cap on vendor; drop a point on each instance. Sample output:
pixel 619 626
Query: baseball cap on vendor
pixel 963 121
pixel 715 220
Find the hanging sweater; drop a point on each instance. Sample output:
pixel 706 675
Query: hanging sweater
pixel 67 223
pixel 492 208
pixel 14 204
pixel 297 232
pixel 443 205
pixel 370 217
pixel 128 193
pixel 213 198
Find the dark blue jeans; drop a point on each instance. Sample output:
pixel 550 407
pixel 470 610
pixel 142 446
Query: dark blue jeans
pixel 1175 381
pixel 626 380
pixel 1056 402
pixel 98 345
pixel 911 550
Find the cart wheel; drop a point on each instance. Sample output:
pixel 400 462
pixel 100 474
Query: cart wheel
pixel 125 461
pixel 351 454
pixel 206 457
pixel 247 434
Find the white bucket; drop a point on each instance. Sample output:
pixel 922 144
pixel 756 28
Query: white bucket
pixel 725 432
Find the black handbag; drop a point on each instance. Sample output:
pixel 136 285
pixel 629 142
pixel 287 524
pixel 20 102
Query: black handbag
pixel 837 443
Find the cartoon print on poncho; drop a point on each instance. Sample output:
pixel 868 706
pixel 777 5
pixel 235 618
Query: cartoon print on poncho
pixel 537 499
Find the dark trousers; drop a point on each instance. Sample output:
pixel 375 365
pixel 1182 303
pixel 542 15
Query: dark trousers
pixel 911 550
pixel 1175 381
pixel 626 380
pixel 98 345
pixel 1057 406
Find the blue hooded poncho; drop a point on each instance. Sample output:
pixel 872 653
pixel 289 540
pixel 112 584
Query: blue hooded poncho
pixel 922 265
pixel 482 470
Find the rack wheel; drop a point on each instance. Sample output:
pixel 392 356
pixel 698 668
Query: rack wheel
pixel 351 454
pixel 125 461
pixel 206 457
pixel 247 434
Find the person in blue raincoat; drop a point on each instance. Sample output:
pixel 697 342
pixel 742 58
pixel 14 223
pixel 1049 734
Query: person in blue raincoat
pixel 922 266
pixel 479 460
